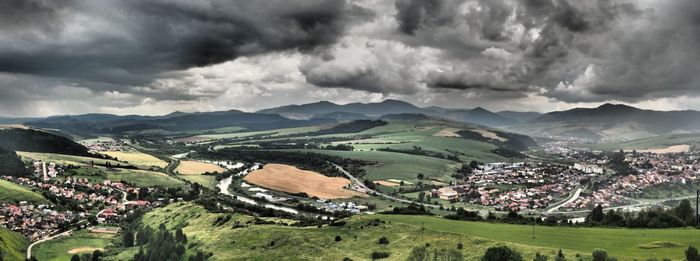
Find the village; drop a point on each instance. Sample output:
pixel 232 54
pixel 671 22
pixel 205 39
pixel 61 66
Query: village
pixel 80 200
pixel 587 182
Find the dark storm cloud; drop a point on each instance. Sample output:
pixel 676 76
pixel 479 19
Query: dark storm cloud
pixel 131 41
pixel 569 50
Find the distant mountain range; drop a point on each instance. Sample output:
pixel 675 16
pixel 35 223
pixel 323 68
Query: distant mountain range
pixel 327 109
pixel 607 122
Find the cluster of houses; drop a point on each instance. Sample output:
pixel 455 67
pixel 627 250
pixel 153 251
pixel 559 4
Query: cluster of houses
pixel 513 186
pixel 107 145
pixel 36 221
pixel 349 206
pixel 648 170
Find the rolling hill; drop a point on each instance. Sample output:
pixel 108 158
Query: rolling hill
pixel 39 141
pixel 327 109
pixel 91 124
pixel 612 122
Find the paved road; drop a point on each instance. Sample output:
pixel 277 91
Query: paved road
pixel 648 202
pixel 29 249
pixel 571 199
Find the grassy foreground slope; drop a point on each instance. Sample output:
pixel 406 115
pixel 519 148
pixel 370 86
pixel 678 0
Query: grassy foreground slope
pixel 12 245
pixel 278 242
pixel 625 244
pixel 11 193
pixel 63 248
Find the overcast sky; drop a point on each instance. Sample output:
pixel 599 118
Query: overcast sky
pixel 158 56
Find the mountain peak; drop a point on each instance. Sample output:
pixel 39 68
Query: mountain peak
pixel 615 106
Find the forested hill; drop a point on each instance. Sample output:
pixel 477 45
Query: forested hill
pixel 39 141
pixel 10 164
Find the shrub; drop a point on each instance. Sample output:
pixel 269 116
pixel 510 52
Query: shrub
pixel 379 255
pixel 383 241
pixel 691 254
pixel 338 238
pixel 501 253
pixel 600 255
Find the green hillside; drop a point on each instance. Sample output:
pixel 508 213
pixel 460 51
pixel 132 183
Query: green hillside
pixel 12 245
pixel 13 193
pixel 358 237
pixel 625 244
pixel 650 143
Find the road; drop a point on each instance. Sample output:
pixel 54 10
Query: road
pixel 377 193
pixel 648 202
pixel 571 199
pixel 66 233
pixel 29 249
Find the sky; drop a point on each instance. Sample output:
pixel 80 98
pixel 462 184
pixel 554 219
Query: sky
pixel 158 56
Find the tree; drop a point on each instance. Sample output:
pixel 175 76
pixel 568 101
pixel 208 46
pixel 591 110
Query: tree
pixel 421 196
pixel 338 238
pixel 420 176
pixel 691 254
pixel 379 255
pixel 501 253
pixel 600 255
pixel 128 238
pixel 596 215
pixel 539 257
pixel 75 257
pixel 418 254
pixel 96 255
pixel 685 212
pixel 383 241
pixel 180 236
pixel 560 256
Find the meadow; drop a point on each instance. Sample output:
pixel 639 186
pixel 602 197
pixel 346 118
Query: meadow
pixel 63 248
pixel 358 238
pixel 623 243
pixel 69 159
pixel 12 245
pixel 137 158
pixel 141 178
pixel 392 165
pixel 12 193
pixel 661 141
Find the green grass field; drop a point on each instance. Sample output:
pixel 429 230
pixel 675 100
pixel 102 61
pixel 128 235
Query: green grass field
pixel 68 159
pixel 13 193
pixel 12 245
pixel 63 248
pixel 621 243
pixel 398 165
pixel 204 180
pixel 140 178
pixel 649 143
pixel 358 238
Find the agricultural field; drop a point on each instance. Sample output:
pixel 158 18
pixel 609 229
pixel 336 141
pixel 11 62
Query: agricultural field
pixel 271 133
pixel 68 159
pixel 207 181
pixel 190 167
pixel 137 158
pixel 401 166
pixel 12 245
pixel 358 238
pixel 12 193
pixel 140 178
pixel 63 248
pixel 657 142
pixel 625 244
pixel 290 179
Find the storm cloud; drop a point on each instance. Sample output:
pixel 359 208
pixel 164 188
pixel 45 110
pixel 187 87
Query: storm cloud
pixel 130 41
pixel 213 54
